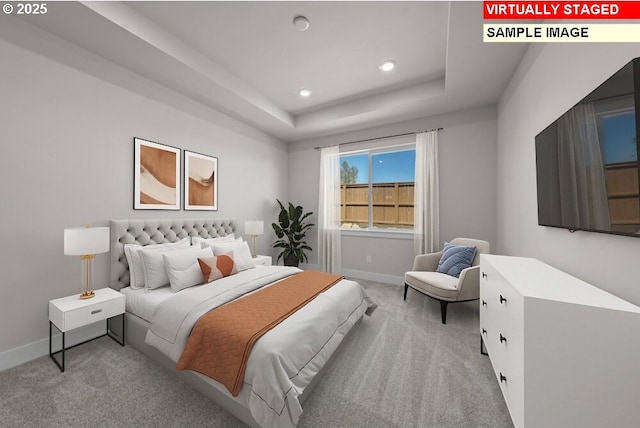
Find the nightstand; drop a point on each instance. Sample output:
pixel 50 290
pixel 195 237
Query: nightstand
pixel 259 260
pixel 68 313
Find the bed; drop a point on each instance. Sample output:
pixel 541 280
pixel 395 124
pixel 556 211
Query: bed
pixel 284 364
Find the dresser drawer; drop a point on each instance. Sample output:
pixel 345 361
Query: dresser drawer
pixel 501 325
pixel 492 312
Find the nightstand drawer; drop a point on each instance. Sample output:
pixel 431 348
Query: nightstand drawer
pixel 260 260
pixel 93 313
pixel 71 312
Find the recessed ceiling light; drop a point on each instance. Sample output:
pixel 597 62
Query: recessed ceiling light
pixel 304 92
pixel 301 23
pixel 387 65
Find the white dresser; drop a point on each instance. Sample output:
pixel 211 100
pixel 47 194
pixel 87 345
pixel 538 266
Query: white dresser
pixel 566 354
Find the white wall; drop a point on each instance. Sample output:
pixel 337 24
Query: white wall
pixel 549 81
pixel 467 150
pixel 67 160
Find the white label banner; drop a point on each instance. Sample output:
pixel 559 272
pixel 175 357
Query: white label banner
pixel 562 32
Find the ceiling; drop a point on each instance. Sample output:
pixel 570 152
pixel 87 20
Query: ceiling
pixel 247 60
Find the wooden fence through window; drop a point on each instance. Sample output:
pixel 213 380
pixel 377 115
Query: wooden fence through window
pixel 392 205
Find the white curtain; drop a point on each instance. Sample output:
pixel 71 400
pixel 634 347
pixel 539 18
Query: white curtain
pixel 583 191
pixel 426 218
pixel 329 244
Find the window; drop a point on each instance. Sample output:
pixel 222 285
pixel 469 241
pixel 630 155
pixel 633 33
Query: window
pixel 377 189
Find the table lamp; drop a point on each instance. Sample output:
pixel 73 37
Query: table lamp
pixel 86 242
pixel 254 228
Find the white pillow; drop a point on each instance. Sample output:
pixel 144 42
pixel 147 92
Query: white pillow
pixel 196 240
pixel 183 268
pixel 241 254
pixel 136 267
pixel 155 275
pixel 214 244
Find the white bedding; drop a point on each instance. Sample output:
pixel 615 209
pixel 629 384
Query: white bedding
pixel 143 303
pixel 285 360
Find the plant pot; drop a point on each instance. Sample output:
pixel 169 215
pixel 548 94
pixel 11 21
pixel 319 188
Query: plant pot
pixel 291 260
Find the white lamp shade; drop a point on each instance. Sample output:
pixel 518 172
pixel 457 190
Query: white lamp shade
pixel 80 241
pixel 254 227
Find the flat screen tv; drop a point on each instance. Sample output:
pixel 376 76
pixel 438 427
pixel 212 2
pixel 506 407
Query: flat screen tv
pixel 587 161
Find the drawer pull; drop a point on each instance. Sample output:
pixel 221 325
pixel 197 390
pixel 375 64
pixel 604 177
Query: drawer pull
pixel 484 302
pixel 484 275
pixel 484 331
pixel 502 338
pixel 97 311
pixel 502 299
pixel 503 378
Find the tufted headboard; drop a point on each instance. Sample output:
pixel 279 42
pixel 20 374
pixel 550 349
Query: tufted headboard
pixel 157 231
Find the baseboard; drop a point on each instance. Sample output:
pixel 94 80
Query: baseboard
pixel 373 276
pixel 31 351
pixel 310 266
pixel 22 354
pixel 359 274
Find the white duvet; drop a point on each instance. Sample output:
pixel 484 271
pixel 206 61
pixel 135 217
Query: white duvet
pixel 285 360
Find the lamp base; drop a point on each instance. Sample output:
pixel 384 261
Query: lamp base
pixel 253 240
pixel 87 295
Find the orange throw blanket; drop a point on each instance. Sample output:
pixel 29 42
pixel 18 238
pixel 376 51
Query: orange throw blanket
pixel 221 341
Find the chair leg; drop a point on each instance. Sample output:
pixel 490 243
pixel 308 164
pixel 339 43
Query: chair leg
pixel 406 287
pixel 443 309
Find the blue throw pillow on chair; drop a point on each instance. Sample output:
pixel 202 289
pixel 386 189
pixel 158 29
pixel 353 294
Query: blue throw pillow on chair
pixel 455 258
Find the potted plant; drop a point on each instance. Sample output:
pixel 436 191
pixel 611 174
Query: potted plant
pixel 291 230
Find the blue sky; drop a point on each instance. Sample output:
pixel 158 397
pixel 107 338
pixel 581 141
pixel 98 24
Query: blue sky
pixel 388 167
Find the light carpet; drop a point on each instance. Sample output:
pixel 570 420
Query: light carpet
pixel 400 368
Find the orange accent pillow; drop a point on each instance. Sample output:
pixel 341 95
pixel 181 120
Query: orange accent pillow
pixel 217 267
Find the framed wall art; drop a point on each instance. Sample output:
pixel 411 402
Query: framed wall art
pixel 156 183
pixel 200 182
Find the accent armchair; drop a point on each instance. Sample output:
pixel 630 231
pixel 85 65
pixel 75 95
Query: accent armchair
pixel 441 286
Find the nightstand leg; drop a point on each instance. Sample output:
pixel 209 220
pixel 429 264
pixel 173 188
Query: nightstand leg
pixel 51 354
pixel 115 336
pixel 63 346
